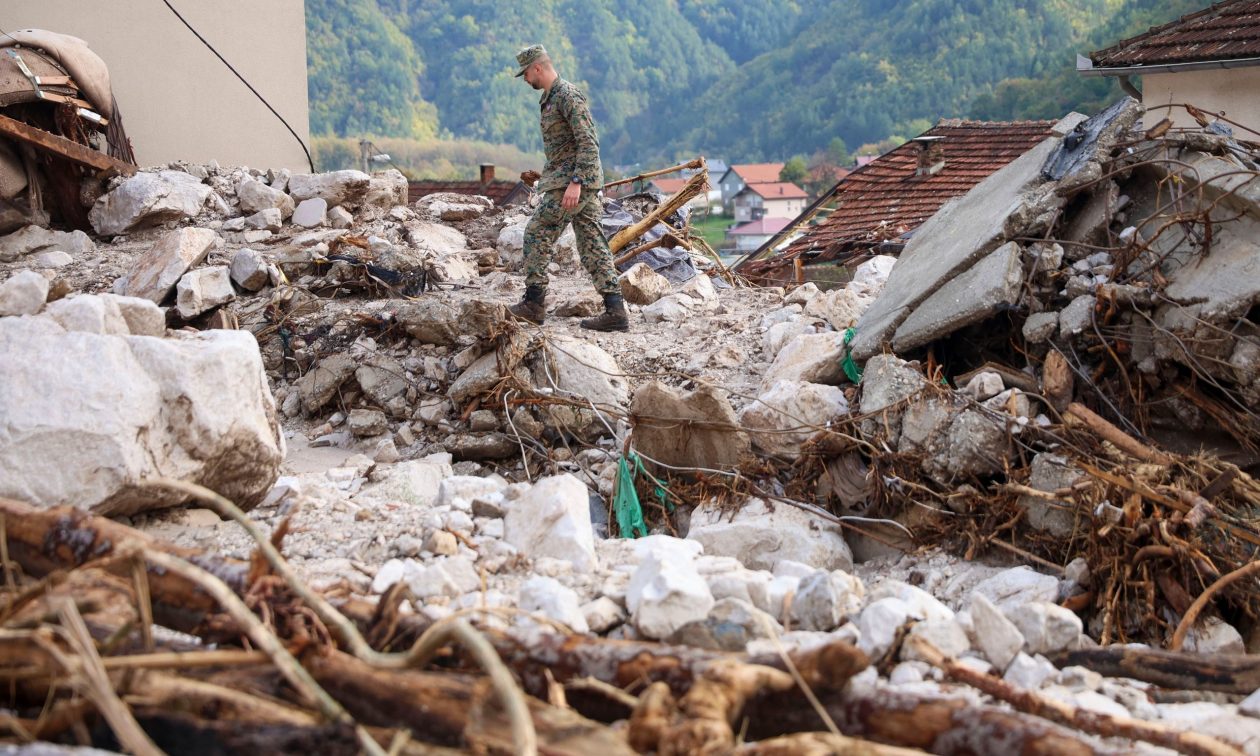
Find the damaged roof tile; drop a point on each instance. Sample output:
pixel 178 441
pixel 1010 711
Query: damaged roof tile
pixel 1225 31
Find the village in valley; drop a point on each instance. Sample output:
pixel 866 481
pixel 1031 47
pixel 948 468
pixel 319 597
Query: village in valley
pixel 949 445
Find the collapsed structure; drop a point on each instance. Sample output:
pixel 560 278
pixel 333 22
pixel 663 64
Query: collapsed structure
pixel 287 416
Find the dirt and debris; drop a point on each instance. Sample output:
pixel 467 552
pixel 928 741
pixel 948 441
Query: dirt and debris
pixel 955 494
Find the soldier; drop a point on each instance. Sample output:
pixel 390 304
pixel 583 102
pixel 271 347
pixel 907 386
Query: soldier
pixel 570 186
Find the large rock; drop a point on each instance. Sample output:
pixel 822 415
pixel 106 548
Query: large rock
pixel 147 199
pixel 1016 586
pixel 480 377
pixel 993 634
pixel 89 314
pixel 154 275
pixel 783 418
pixel 347 188
pixel 430 320
pixel 386 189
pixel 37 239
pixel 311 213
pixel 511 247
pixel 319 384
pixel 666 593
pixel 760 537
pixel 579 370
pixel 687 429
pixel 23 294
pixel 1051 472
pixel 203 290
pixel 249 270
pixel 553 519
pixel 255 196
pixel 416 482
pixel 1047 628
pixel 824 599
pixel 642 285
pixel 85 418
pixel 730 625
pixel 382 378
pixel 811 357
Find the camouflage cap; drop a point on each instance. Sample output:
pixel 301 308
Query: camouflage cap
pixel 529 56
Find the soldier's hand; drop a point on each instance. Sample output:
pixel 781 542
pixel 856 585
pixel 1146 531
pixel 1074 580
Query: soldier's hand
pixel 571 196
pixel 530 177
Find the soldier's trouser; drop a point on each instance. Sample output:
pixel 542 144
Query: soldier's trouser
pixel 545 227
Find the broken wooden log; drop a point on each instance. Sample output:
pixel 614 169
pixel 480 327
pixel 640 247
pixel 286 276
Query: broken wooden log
pixel 695 185
pixel 1179 670
pixel 1121 440
pixel 64 148
pixel 695 164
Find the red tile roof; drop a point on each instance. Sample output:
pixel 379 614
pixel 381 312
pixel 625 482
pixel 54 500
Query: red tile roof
pixel 1225 31
pixel 758 173
pixel 776 190
pixel 763 227
pixel 498 191
pixel 885 198
pixel 669 185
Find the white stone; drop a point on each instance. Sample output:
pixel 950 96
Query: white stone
pixel 873 274
pixel 1250 705
pixel 311 213
pixel 85 419
pixel 386 189
pixel 249 270
pixel 824 599
pixel 1046 627
pixel 1029 672
pixel 984 386
pixel 666 593
pixel 147 199
pixel 143 318
pixel 922 605
pixel 414 482
pixel 781 315
pixel 946 635
pixel 700 289
pixel 642 285
pixel 1212 635
pixel 992 633
pixel 452 577
pixel 460 491
pixel 810 358
pixel 603 614
pixel 781 419
pixel 203 290
pixel 670 309
pixel 155 274
pixel 780 334
pixel 88 314
pixel 548 597
pixel 908 672
pixel 268 219
pixel 255 197
pixel 1018 585
pixel 389 573
pixel 553 519
pixel 802 294
pixel 759 536
pixel 579 369
pixel 336 188
pixel 841 307
pixel 879 623
pixel 37 239
pixel 339 217
pixel 23 293
pixel 52 259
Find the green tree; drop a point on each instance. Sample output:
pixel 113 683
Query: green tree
pixel 795 170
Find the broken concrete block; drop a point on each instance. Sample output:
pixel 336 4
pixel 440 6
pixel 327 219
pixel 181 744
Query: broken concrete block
pixel 662 429
pixel 431 321
pixel 382 378
pixel 642 285
pixel 453 207
pixel 810 358
pixel 319 385
pixel 785 417
pixel 760 536
pixel 268 219
pixel 311 213
pixel 553 519
pixel 580 370
pixel 1040 327
pixel 347 188
pixel 154 275
pixel 255 197
pixel 978 444
pixel 37 239
pixel 88 314
pixel 841 307
pixel 339 217
pixel 1078 316
pixel 24 293
pixel 386 189
pixel 194 407
pixel 479 447
pixel 249 270
pixel 203 290
pixel 666 593
pixel 1051 472
pixel 367 422
pixel 969 297
pixel 147 199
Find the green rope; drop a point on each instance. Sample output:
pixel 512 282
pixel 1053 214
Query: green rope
pixel 626 504
pixel 847 364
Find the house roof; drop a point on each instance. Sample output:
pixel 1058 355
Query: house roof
pixel 1224 31
pixel 669 185
pixel 885 197
pixel 778 190
pixel 757 173
pixel 501 192
pixel 763 227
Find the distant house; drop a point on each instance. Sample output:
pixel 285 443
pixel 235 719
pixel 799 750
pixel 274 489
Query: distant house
pixel 1209 59
pixel 751 235
pixel 503 193
pixel 778 200
pixel 737 177
pixel 877 204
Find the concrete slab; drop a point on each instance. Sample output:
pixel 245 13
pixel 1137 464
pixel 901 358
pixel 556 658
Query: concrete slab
pixel 971 297
pixel 962 233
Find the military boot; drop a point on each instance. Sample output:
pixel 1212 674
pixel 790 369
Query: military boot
pixel 533 306
pixel 614 317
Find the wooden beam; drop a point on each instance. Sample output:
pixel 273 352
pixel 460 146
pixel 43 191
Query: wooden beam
pixel 64 148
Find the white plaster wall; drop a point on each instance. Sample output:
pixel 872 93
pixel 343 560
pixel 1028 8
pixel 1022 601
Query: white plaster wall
pixel 1235 92
pixel 177 100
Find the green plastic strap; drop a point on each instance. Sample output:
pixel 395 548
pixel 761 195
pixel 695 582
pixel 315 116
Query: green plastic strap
pixel 847 364
pixel 661 492
pixel 626 504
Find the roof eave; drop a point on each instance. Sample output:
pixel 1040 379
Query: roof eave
pixel 1085 67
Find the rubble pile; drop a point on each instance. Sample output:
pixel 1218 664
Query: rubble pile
pixel 947 493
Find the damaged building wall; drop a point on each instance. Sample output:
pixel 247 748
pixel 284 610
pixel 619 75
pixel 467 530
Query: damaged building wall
pixel 1213 91
pixel 179 101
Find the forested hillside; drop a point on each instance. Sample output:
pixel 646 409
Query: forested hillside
pixel 748 79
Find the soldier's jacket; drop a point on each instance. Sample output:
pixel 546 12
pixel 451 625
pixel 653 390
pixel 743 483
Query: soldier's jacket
pixel 570 142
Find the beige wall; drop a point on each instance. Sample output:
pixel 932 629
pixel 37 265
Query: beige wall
pixel 177 100
pixel 1235 92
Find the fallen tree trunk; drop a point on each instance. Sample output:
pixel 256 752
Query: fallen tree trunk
pixel 1169 669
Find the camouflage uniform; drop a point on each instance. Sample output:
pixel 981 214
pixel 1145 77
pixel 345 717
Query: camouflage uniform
pixel 571 146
